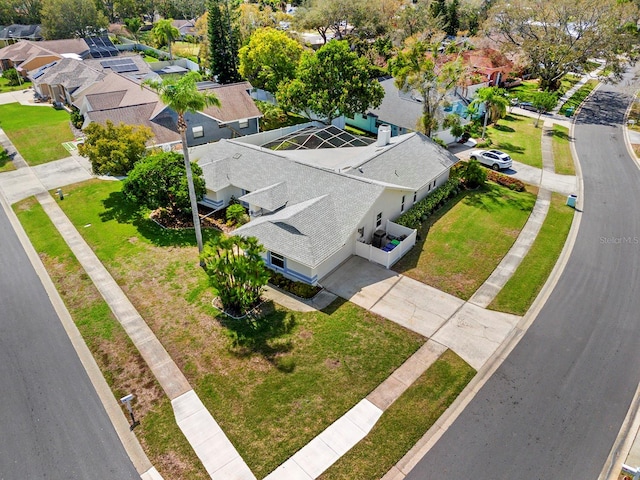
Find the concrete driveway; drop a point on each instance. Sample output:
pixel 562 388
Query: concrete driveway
pixel 24 182
pixel 472 332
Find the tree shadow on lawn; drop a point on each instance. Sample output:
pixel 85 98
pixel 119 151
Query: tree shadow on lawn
pixel 510 147
pixel 560 135
pixel 503 128
pixel 266 336
pixel 118 208
pixel 491 198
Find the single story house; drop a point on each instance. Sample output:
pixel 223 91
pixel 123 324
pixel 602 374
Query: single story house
pixel 27 55
pixel 118 98
pixel 400 110
pixel 331 196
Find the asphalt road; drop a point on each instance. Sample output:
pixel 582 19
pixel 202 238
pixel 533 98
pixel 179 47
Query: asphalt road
pixel 52 424
pixel 553 409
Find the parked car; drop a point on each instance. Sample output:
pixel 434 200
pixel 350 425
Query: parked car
pixel 494 159
pixel 528 106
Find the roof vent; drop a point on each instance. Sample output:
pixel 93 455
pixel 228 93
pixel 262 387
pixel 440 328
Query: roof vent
pixel 384 135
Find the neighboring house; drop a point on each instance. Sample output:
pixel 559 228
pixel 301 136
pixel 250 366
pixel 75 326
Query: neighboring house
pixel 27 55
pixel 488 65
pixel 237 116
pixel 123 100
pixel 185 27
pixel 400 110
pixel 60 79
pixel 120 99
pixel 331 197
pixel 13 33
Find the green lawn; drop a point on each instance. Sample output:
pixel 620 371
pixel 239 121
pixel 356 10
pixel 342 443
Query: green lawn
pixel 528 88
pixel 562 158
pixel 272 385
pixel 120 362
pixel 525 91
pixel 578 97
pixel 462 244
pixel 522 289
pixel 518 136
pixel 405 421
pixel 37 132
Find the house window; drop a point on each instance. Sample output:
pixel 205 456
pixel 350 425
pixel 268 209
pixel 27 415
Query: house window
pixel 378 219
pixel 197 132
pixel 415 196
pixel 277 260
pixel 402 204
pixel 434 184
pixel 243 123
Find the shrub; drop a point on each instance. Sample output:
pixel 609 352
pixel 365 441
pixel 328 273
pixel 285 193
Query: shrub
pixel 299 289
pixel 413 217
pixel 509 182
pixel 473 174
pixel 77 119
pixel 235 213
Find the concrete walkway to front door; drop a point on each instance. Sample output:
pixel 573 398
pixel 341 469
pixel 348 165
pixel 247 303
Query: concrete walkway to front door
pixel 474 333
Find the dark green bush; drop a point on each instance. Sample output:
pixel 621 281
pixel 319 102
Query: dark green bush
pixel 299 289
pixel 413 217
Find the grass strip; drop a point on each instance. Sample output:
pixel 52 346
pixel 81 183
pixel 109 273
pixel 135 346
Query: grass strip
pixel 37 132
pixel 578 97
pixel 405 421
pixel 523 287
pixel 118 359
pixel 562 158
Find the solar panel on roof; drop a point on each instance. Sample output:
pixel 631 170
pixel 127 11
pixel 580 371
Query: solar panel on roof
pixel 125 68
pixel 101 47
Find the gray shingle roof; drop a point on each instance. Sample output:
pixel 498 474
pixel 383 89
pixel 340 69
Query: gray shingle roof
pixel 410 161
pixel 397 108
pixel 270 198
pixel 70 73
pixel 323 209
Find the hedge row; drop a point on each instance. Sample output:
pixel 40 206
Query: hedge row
pixel 504 180
pixel 418 213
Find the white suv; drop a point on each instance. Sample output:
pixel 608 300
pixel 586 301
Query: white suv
pixel 495 159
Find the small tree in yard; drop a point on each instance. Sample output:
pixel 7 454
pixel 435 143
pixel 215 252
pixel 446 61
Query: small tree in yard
pixel 543 102
pixel 12 75
pixel 473 174
pixel 113 150
pixel 236 270
pixel 160 181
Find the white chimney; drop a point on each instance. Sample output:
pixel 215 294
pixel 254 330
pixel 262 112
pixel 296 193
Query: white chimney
pixel 384 135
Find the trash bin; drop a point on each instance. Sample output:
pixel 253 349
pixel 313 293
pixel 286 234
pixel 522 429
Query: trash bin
pixel 568 112
pixel 571 200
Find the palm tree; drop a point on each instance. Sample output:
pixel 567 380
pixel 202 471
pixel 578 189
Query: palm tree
pixel 495 104
pixel 183 96
pixel 164 32
pixel 133 25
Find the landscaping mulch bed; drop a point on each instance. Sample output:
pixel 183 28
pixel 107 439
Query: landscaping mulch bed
pixel 208 219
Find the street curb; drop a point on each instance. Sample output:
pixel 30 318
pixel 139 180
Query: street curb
pixel 116 415
pixel 428 440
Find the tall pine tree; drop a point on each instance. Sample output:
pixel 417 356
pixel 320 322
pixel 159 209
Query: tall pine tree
pixel 223 41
